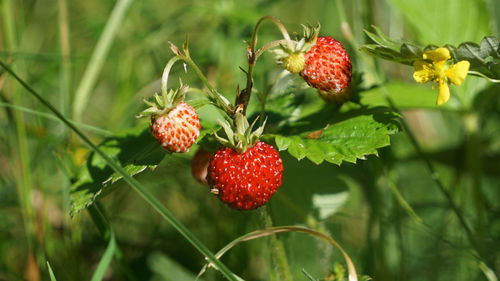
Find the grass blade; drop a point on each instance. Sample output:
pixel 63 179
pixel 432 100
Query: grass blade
pixel 98 57
pixel 51 273
pixel 93 129
pixel 106 259
pixel 143 192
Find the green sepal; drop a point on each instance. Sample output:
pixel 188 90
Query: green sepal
pixel 164 103
pixel 242 136
pixel 303 45
pixel 229 133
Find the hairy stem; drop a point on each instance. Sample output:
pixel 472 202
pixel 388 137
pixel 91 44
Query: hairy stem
pixel 278 255
pixel 243 97
pixel 217 98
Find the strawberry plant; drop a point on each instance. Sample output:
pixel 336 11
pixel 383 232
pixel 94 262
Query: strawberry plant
pixel 207 126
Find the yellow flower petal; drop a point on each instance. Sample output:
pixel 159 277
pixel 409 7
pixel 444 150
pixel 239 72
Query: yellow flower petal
pixel 444 93
pixel 424 72
pixel 457 72
pixel 436 55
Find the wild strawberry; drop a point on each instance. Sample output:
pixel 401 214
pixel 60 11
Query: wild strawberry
pixel 199 164
pixel 174 123
pixel 245 172
pixel 177 129
pixel 245 181
pixel 328 68
pixel 321 61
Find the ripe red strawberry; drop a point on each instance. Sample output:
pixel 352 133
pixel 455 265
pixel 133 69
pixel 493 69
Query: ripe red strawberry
pixel 328 68
pixel 177 129
pixel 245 181
pixel 321 61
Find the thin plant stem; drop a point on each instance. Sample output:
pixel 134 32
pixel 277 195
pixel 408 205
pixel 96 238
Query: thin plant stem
pixel 221 102
pixel 98 57
pixel 93 129
pixel 25 183
pixel 136 186
pixel 243 97
pixel 473 157
pixel 278 255
pixel 434 174
pixel 402 201
pixel 65 74
pixel 479 74
pixel 268 46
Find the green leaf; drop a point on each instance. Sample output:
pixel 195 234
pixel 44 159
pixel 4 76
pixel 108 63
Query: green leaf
pixel 356 135
pixel 484 58
pixel 471 52
pixel 490 47
pixel 410 52
pixel 135 149
pixel 383 40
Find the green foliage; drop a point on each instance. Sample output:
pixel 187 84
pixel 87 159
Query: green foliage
pixel 135 149
pixel 386 211
pixel 484 58
pixel 388 49
pixel 346 140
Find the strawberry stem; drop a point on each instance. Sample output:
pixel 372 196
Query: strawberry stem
pixel 268 46
pixel 278 255
pixel 243 97
pixel 217 99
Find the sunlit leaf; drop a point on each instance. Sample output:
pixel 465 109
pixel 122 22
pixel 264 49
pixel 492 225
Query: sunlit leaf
pixel 345 140
pixel 134 149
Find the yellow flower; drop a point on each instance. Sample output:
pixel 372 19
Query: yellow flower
pixel 437 70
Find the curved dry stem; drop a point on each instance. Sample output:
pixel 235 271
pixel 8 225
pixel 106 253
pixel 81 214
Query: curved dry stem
pixel 353 276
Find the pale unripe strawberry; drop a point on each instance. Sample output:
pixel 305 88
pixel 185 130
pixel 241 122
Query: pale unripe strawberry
pixel 178 129
pixel 174 123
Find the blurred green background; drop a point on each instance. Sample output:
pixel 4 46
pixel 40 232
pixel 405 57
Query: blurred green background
pixel 50 43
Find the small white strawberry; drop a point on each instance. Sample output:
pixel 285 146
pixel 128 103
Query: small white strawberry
pixel 174 123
